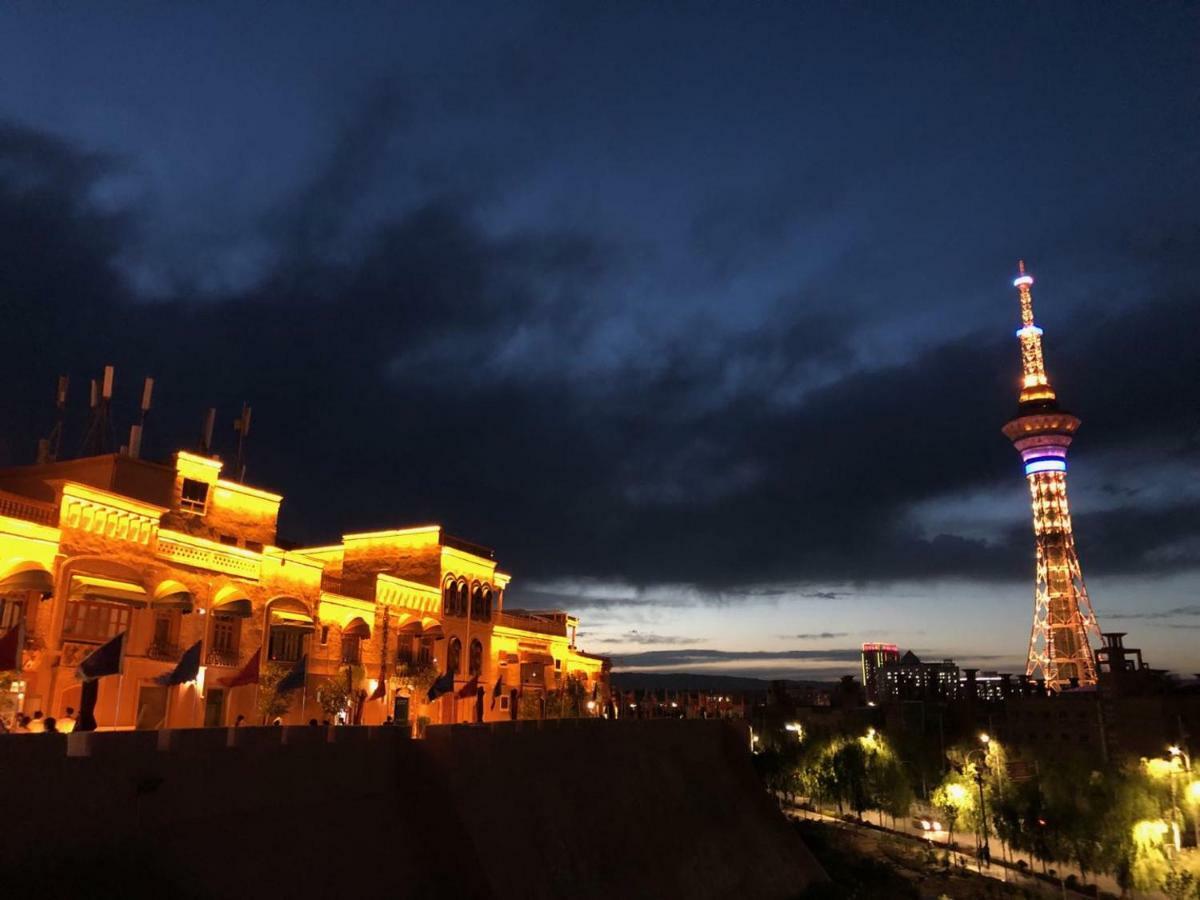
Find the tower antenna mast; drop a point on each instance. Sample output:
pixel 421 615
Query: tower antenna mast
pixel 49 447
pixel 98 439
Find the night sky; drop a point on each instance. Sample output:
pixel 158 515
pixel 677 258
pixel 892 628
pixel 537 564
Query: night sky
pixel 699 313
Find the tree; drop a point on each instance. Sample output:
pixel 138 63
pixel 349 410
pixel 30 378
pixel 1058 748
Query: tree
pixel 955 801
pixel 849 764
pixel 333 696
pixel 270 703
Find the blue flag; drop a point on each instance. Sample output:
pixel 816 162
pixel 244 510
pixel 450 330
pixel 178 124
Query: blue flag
pixel 186 670
pixel 443 685
pixel 104 660
pixel 295 678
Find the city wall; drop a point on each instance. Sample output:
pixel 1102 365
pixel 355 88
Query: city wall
pixel 580 808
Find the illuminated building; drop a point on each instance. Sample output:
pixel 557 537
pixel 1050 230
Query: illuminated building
pixel 1059 646
pixel 908 678
pixel 874 657
pixel 174 554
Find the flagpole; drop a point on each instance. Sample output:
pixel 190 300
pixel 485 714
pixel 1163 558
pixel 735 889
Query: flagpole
pixel 117 711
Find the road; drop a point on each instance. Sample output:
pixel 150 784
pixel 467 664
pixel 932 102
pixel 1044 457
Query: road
pixel 997 870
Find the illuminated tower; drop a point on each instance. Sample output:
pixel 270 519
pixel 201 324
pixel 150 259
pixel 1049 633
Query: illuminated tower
pixel 1059 648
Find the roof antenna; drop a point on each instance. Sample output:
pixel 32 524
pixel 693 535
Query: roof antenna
pixel 48 447
pixel 135 431
pixel 242 426
pixel 98 439
pixel 206 434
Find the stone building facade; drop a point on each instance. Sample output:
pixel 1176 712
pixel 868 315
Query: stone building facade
pixel 174 554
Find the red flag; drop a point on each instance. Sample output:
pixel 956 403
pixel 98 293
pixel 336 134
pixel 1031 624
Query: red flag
pixel 469 689
pixel 380 690
pixel 10 649
pixel 248 674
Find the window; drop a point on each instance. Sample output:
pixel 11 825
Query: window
pixel 256 546
pixel 351 648
pixel 475 663
pixel 425 652
pixel 454 600
pixel 324 635
pixel 287 644
pixel 193 496
pixel 229 540
pixel 11 610
pixel 404 651
pixel 454 656
pixel 223 648
pixel 477 603
pixel 95 620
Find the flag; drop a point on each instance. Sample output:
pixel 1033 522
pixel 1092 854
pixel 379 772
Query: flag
pixel 88 695
pixel 469 689
pixel 185 670
pixel 10 649
pixel 295 678
pixel 381 690
pixel 443 684
pixel 104 660
pixel 248 675
pixel 497 690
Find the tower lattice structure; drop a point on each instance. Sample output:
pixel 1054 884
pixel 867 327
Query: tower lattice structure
pixel 1060 650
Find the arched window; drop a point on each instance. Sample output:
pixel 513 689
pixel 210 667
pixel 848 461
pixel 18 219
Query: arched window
pixel 463 593
pixel 486 613
pixel 477 602
pixel 454 656
pixel 476 661
pixel 450 598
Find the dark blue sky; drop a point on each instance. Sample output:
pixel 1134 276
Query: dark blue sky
pixel 700 313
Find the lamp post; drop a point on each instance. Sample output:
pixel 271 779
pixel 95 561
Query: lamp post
pixel 1193 790
pixel 981 768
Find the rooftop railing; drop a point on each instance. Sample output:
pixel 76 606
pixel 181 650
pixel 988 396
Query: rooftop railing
pixel 18 507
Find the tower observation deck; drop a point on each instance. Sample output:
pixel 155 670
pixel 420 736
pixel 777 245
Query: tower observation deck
pixel 1060 650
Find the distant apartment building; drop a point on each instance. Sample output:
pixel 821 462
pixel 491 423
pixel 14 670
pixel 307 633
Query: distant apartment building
pixel 908 679
pixel 874 657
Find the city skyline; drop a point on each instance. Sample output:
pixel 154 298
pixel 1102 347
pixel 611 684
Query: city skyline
pixel 705 323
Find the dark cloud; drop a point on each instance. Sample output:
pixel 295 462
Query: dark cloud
pixel 682 659
pixel 815 636
pixel 1174 613
pixel 418 362
pixel 638 637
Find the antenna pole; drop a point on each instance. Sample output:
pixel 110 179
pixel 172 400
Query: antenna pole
pixel 98 439
pixel 242 426
pixel 207 433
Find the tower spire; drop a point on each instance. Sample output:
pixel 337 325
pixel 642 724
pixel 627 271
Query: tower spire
pixel 1035 386
pixel 1059 647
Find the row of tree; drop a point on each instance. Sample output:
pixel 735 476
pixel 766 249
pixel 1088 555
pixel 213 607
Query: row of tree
pixel 1121 819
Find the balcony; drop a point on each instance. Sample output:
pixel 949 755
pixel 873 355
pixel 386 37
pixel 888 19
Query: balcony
pixel 163 650
pixel 229 659
pixel 17 507
pixel 535 624
pixel 204 554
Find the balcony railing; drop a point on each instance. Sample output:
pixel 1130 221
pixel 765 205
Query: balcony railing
pixel 168 652
pixel 529 623
pixel 18 507
pixel 229 659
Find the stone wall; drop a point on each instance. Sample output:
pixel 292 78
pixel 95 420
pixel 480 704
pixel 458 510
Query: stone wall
pixel 579 808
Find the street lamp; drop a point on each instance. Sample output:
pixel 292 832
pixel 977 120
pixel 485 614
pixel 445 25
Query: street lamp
pixel 1193 792
pixel 980 769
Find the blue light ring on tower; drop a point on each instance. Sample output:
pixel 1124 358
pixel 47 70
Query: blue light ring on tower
pixel 1045 464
